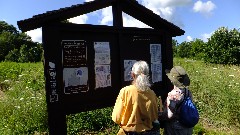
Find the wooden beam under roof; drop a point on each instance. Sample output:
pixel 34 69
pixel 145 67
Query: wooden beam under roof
pixel 40 20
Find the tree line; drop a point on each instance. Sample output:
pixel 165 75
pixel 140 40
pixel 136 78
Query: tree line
pixel 16 46
pixel 223 47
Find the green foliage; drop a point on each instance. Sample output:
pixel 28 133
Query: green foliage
pixel 4 27
pixel 91 121
pixel 174 46
pixel 13 55
pixel 224 47
pixel 23 106
pixel 198 49
pixel 184 50
pixel 6 44
pixel 12 43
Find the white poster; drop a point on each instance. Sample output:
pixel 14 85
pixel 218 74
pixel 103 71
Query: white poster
pixel 127 69
pixel 156 64
pixel 155 51
pixel 103 76
pixel 156 72
pixel 102 53
pixel 102 64
pixel 74 79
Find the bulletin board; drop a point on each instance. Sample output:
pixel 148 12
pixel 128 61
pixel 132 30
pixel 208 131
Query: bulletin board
pixel 86 66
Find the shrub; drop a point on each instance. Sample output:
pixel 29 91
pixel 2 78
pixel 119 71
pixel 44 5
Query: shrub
pixel 223 47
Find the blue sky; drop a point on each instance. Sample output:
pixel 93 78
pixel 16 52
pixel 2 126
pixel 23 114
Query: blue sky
pixel 198 18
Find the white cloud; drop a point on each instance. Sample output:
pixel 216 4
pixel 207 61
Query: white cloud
pixel 167 3
pixel 189 38
pixel 206 36
pixel 106 16
pixel 82 19
pixel 4 20
pixel 36 35
pixel 164 8
pixel 129 21
pixel 167 9
pixel 204 8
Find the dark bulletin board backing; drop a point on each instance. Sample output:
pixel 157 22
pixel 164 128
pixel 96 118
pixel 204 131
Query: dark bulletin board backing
pixel 78 79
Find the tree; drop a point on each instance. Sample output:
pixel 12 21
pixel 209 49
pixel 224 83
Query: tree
pixel 174 46
pixel 6 44
pixel 4 27
pixel 184 50
pixel 12 42
pixel 223 47
pixel 198 48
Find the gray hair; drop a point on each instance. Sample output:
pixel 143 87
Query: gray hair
pixel 141 71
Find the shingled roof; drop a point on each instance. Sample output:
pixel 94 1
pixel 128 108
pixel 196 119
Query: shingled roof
pixel 130 7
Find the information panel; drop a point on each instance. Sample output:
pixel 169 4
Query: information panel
pixel 75 70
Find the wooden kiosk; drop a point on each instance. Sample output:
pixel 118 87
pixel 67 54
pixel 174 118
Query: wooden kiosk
pixel 85 66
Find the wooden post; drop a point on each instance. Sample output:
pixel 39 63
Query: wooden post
pixel 117 14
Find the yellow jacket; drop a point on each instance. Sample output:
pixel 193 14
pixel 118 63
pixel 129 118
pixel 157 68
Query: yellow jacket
pixel 135 110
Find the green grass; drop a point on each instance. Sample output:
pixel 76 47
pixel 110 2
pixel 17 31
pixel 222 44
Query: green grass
pixel 216 93
pixel 23 105
pixel 22 102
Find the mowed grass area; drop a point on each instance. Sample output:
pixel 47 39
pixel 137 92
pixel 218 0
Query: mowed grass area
pixel 216 91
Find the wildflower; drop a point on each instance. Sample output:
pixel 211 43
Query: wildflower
pixel 231 75
pixel 6 81
pixel 214 68
pixel 21 98
pixel 18 107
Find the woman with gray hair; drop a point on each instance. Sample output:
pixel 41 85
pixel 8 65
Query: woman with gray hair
pixel 136 107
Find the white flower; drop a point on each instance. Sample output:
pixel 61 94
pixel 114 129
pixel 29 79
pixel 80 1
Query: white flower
pixel 18 107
